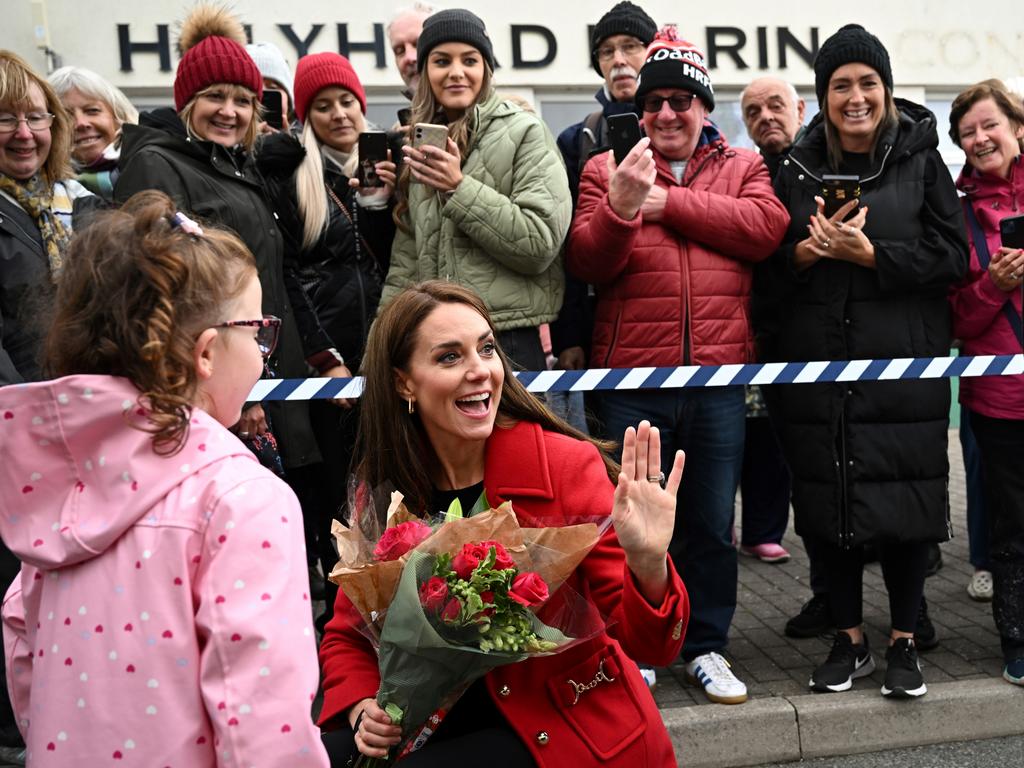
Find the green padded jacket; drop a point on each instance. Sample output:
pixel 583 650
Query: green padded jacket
pixel 501 232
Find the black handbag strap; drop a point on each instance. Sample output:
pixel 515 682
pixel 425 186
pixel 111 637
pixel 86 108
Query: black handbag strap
pixel 984 257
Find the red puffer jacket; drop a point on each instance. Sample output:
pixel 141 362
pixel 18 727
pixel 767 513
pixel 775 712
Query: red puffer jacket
pixel 678 291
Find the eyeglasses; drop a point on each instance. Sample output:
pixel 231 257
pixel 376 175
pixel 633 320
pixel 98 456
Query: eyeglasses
pixel 37 121
pixel 677 103
pixel 632 48
pixel 267 330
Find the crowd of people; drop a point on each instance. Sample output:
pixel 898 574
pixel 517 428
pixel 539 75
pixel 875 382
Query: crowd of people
pixel 165 540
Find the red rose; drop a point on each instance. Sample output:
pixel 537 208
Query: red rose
pixel 502 559
pixel 434 593
pixel 469 557
pixel 400 539
pixel 451 611
pixel 529 589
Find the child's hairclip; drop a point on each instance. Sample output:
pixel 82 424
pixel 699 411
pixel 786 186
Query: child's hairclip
pixel 186 225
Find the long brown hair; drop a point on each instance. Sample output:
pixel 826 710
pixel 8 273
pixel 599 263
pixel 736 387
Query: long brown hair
pixel 392 448
pixel 833 144
pixel 134 294
pixel 427 109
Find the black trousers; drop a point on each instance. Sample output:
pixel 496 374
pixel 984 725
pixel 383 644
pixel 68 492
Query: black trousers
pixel 473 733
pixel 523 349
pixel 1001 443
pixel 764 485
pixel 903 567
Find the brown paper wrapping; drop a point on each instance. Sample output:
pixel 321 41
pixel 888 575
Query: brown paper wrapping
pixel 371 584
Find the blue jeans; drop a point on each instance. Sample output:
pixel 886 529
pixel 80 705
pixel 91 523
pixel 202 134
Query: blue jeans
pixel 708 424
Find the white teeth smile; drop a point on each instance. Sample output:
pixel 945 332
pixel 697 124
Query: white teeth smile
pixel 474 398
pixel 857 114
pixel 985 152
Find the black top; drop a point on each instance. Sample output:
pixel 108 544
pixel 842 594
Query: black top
pixel 467 498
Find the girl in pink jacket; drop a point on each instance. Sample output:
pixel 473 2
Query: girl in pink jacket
pixel 161 616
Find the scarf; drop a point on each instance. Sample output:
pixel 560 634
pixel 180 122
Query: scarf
pixel 37 199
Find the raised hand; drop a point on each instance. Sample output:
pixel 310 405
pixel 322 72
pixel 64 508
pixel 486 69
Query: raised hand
pixel 643 512
pixel 630 182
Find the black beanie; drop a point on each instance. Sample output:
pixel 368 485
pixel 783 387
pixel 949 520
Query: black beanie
pixel 453 26
pixel 851 43
pixel 624 19
pixel 674 63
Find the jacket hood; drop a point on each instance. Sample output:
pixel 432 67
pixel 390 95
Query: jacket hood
pixel 916 131
pixel 76 472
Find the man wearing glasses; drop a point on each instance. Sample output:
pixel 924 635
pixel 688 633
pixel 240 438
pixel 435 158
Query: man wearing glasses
pixel 617 46
pixel 669 239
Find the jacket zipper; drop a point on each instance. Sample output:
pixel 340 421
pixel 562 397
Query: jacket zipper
pixel 684 272
pixel 881 168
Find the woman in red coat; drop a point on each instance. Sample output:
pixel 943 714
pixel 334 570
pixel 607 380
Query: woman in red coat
pixel 444 418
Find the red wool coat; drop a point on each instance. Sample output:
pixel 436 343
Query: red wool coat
pixel 551 479
pixel 678 291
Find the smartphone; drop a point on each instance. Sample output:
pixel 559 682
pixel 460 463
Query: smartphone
pixel 273 108
pixel 428 134
pixel 1011 231
pixel 624 133
pixel 837 191
pixel 404 116
pixel 373 149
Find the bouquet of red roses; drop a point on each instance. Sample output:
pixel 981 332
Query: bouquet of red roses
pixel 447 604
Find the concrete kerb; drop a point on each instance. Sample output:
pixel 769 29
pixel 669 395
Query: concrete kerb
pixel 781 729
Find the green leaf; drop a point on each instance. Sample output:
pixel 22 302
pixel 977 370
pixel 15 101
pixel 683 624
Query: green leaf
pixel 454 511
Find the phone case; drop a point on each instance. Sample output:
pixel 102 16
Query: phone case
pixel 624 133
pixel 373 149
pixel 430 134
pixel 1011 232
pixel 837 191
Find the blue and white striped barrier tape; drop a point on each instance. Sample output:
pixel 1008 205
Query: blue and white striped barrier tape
pixel 622 379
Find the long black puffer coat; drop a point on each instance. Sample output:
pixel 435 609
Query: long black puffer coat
pixel 220 186
pixel 341 284
pixel 869 460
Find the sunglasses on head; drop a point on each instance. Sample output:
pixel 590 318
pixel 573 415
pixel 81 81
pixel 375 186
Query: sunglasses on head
pixel 677 103
pixel 267 330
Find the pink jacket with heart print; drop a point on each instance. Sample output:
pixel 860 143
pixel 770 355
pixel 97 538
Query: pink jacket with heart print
pixel 161 615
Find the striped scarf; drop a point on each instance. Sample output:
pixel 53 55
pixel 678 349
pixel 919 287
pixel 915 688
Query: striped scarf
pixel 40 202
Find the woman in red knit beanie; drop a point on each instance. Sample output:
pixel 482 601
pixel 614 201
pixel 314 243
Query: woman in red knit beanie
pixel 200 154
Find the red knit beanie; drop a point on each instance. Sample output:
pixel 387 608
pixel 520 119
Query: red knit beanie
pixel 211 44
pixel 320 70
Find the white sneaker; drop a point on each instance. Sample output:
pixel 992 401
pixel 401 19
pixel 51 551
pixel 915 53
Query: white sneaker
pixel 980 586
pixel 713 673
pixel 650 677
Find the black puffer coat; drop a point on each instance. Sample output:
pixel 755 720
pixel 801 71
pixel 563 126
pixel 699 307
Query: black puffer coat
pixel 218 185
pixel 340 284
pixel 25 288
pixel 869 460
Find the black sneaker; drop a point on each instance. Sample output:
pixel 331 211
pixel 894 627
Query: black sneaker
pixel 925 637
pixel 903 678
pixel 814 619
pixel 846 662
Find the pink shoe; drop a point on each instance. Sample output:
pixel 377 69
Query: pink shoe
pixel 768 552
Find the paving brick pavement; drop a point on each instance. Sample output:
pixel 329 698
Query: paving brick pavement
pixel 773 665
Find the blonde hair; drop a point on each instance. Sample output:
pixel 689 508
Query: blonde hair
pixel 233 91
pixel 309 182
pixel 94 86
pixel 16 77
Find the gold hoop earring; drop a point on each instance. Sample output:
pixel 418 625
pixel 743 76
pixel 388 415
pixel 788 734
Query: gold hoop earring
pixel 411 409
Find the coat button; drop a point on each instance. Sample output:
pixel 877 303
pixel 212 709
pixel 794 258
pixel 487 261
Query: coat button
pixel 238 174
pixel 543 738
pixel 801 177
pixel 850 463
pixel 504 691
pixel 785 162
pixel 846 320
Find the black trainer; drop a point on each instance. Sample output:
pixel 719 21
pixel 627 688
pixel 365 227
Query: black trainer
pixel 925 636
pixel 815 618
pixel 903 678
pixel 846 662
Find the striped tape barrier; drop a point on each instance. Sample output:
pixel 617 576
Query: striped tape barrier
pixel 622 379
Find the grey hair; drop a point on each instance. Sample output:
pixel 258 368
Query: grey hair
pixel 97 87
pixel 417 7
